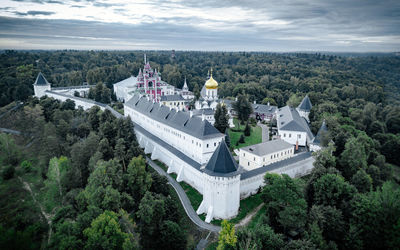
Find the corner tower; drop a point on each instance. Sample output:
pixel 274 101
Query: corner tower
pixel 221 190
pixel 41 85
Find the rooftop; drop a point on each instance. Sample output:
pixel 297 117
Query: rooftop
pixel 267 147
pixel 172 98
pixel 289 119
pixel 305 104
pixel 40 80
pixel 221 162
pixel 179 120
pixel 323 129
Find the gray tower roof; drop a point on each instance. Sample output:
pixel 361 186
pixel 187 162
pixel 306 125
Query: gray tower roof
pixel 322 129
pixel 40 80
pixel 305 105
pixel 221 162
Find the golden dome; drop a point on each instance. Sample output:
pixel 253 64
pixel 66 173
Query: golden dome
pixel 211 83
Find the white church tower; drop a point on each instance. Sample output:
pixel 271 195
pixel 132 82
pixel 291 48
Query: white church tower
pixel 211 88
pixel 41 85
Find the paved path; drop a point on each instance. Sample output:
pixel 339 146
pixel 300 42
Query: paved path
pixel 264 132
pixel 10 131
pixel 184 199
pixel 12 109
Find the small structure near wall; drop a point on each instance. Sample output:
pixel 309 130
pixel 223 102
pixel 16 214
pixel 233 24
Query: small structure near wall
pixel 262 154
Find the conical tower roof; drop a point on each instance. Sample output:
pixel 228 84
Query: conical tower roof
pixel 40 80
pixel 221 162
pixel 305 104
pixel 323 129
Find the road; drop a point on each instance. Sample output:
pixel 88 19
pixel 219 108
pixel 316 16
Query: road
pixel 12 109
pixel 264 132
pixel 184 199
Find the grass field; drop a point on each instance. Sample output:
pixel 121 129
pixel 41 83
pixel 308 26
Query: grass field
pixel 254 138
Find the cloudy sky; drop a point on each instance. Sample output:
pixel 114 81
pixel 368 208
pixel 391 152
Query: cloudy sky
pixel 235 25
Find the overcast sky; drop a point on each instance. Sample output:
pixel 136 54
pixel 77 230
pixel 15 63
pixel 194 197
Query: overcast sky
pixel 246 25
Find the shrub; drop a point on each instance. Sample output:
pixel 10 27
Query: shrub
pixel 8 172
pixel 26 166
pixel 241 139
pixel 247 130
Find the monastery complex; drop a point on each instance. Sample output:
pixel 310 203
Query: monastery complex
pixel 188 143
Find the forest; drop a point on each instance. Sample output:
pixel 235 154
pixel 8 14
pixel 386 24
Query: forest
pixel 90 176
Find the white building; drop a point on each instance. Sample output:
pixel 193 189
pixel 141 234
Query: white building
pixel 293 128
pixel 262 154
pixel 304 108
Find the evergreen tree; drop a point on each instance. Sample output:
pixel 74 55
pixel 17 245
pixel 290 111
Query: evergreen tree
pixel 221 118
pixel 247 130
pixel 227 138
pixel 243 108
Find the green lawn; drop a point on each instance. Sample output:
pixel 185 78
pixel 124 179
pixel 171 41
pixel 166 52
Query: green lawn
pixel 254 138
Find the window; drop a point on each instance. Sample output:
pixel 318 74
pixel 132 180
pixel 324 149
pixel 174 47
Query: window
pixel 290 135
pixel 271 156
pixel 192 141
pixel 244 154
pixel 284 135
pixel 215 144
pixel 248 163
pixel 299 136
pixel 207 145
pixel 254 158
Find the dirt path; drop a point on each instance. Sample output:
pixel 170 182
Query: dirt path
pixel 45 215
pixel 248 217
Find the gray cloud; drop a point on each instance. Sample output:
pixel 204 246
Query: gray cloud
pixel 340 25
pixel 40 1
pixel 34 13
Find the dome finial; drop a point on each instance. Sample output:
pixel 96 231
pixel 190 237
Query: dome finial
pixel 211 71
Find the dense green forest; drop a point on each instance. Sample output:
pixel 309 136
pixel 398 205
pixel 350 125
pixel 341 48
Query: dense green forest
pixel 88 172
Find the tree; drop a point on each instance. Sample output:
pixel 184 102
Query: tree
pixel 119 152
pixel 9 152
pixel 353 158
pixel 172 236
pixel 227 138
pixel 227 238
pixel 243 108
pixel 285 203
pixel 269 100
pixel 241 138
pixel 104 185
pixel 376 215
pixel 362 181
pixel 150 217
pixel 262 236
pixel 294 100
pixel 247 130
pixel 138 180
pixel 58 167
pixel 333 190
pixel 105 233
pixel 221 118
